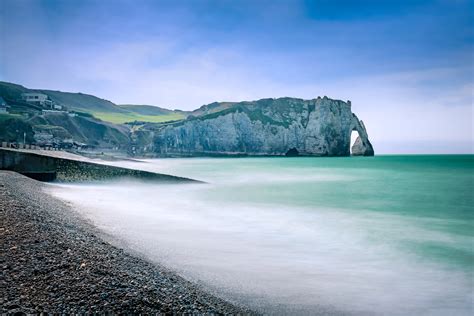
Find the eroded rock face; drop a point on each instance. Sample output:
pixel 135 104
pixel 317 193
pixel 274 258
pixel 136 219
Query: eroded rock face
pixel 362 145
pixel 317 127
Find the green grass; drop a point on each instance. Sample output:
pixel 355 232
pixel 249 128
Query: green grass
pixel 120 118
pixel 6 116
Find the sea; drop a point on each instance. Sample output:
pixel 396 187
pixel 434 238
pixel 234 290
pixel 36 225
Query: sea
pixel 383 235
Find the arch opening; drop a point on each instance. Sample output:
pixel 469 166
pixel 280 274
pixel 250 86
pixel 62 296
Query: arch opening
pixel 354 136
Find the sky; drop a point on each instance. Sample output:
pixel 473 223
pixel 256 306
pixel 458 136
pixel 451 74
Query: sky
pixel 406 66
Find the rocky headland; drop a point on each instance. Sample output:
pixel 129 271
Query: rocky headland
pixel 274 127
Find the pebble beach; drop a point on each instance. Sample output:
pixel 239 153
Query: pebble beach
pixel 54 261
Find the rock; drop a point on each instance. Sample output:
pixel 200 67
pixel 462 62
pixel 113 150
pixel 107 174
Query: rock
pixel 358 149
pixel 284 126
pixel 362 145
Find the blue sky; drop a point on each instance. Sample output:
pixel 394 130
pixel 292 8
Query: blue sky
pixel 407 66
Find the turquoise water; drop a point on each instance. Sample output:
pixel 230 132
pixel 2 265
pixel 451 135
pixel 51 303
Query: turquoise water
pixel 388 235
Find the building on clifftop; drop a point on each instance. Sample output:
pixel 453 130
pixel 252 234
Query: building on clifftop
pixel 38 98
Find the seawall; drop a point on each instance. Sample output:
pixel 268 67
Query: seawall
pixel 66 167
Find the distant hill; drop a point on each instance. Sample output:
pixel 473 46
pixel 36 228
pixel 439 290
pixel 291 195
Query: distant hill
pixel 146 109
pixel 151 113
pixel 80 102
pixel 11 92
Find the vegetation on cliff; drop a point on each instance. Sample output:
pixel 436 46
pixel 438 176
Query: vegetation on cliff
pixel 13 128
pixel 79 102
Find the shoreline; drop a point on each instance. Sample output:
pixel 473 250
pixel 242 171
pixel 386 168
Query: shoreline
pixel 57 262
pixel 67 167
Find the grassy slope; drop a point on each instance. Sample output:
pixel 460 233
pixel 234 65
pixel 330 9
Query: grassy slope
pixel 100 108
pixel 13 127
pixel 11 91
pixel 119 118
pixel 82 102
pixel 6 116
pixel 145 109
pixel 110 112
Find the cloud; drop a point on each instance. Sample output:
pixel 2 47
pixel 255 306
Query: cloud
pixel 407 69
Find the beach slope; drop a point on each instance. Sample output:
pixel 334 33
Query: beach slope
pixel 54 261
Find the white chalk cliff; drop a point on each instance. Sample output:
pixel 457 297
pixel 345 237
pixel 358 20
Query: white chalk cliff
pixel 284 126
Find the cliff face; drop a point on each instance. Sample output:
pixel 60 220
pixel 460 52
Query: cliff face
pixel 88 130
pixel 285 126
pixel 362 145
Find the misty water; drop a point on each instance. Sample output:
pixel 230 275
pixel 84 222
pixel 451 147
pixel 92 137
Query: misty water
pixel 388 235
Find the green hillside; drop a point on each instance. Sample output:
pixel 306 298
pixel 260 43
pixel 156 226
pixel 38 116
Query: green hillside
pixel 111 112
pixel 142 113
pixel 13 128
pixel 145 109
pixel 11 91
pixel 80 102
pixel 124 117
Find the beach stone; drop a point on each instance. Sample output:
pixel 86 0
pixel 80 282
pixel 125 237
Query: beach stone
pixel 40 277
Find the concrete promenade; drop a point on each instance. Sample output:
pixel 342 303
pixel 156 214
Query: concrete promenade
pixel 49 165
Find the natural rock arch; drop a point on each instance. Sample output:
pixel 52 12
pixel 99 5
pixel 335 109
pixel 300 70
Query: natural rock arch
pixel 362 145
pixel 354 137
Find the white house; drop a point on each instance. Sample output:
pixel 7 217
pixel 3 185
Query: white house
pixel 40 98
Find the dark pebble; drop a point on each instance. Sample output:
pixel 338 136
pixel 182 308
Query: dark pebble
pixel 58 264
